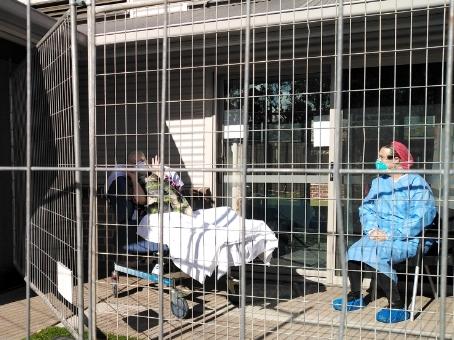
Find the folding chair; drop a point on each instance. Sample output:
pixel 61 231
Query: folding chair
pixel 423 261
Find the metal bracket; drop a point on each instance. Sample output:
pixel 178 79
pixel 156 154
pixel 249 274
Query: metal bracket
pixel 79 3
pixel 331 176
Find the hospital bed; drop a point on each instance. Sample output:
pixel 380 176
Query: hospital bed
pixel 141 269
pixel 195 235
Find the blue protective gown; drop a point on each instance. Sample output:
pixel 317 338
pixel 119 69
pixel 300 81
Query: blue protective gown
pixel 402 209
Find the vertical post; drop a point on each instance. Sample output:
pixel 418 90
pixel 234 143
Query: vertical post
pixel 91 28
pixel 28 174
pixel 336 167
pixel 446 163
pixel 77 163
pixel 161 171
pixel 244 170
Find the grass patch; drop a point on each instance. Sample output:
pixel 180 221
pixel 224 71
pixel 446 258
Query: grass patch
pixel 50 333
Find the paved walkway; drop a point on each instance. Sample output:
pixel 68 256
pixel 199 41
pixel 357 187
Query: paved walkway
pixel 12 314
pixel 307 314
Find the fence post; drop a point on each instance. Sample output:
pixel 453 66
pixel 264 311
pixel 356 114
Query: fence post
pixel 243 195
pixel 91 30
pixel 446 163
pixel 161 170
pixel 77 163
pixel 337 162
pixel 28 174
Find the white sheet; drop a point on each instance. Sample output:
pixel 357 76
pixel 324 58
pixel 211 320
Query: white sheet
pixel 210 238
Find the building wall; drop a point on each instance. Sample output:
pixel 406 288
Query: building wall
pixel 129 79
pixel 6 241
pixel 129 111
pixel 10 56
pixel 7 261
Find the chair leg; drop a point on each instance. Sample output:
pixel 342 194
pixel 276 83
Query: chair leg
pixel 413 297
pixel 431 281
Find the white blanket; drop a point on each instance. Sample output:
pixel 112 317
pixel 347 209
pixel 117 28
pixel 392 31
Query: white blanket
pixel 210 238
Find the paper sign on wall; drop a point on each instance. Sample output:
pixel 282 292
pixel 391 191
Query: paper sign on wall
pixel 233 131
pixel 321 131
pixel 65 282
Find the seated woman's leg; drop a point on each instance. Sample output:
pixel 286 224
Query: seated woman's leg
pixel 396 311
pixel 356 272
pixel 355 277
pixel 354 299
pixel 389 287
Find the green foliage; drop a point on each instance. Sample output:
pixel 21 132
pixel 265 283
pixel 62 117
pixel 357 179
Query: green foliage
pixel 51 333
pixel 120 337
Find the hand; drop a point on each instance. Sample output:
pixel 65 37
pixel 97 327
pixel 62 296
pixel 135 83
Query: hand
pixel 154 165
pixel 155 162
pixel 132 175
pixel 378 235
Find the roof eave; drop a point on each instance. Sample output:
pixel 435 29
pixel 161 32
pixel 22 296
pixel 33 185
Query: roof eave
pixel 289 16
pixel 13 15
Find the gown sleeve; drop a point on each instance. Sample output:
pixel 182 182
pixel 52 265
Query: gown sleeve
pixel 368 211
pixel 421 213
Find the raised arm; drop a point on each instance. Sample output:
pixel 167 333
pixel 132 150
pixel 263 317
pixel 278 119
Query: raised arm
pixel 138 194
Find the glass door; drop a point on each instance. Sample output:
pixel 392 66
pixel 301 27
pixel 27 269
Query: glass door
pixel 289 128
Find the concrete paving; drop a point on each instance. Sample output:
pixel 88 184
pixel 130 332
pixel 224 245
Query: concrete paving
pixel 13 316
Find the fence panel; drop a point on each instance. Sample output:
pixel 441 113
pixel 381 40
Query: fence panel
pixel 54 249
pixel 212 142
pixel 392 85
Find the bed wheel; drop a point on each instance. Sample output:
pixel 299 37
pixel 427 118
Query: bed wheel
pixel 114 282
pixel 178 304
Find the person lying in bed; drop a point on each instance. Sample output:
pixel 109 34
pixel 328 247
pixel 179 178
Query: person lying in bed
pixel 145 186
pixel 198 241
pixel 129 203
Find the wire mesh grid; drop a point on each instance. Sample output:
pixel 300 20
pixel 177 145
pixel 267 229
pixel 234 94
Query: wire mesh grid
pixel 196 86
pixel 54 273
pixel 394 59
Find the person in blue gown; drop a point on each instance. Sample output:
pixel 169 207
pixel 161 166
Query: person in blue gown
pixel 393 214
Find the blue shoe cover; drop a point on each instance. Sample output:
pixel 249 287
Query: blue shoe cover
pixel 352 305
pixel 387 315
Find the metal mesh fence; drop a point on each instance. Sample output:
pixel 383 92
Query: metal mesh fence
pixel 394 58
pixel 54 272
pixel 233 169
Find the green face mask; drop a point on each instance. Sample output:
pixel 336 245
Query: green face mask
pixel 379 165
